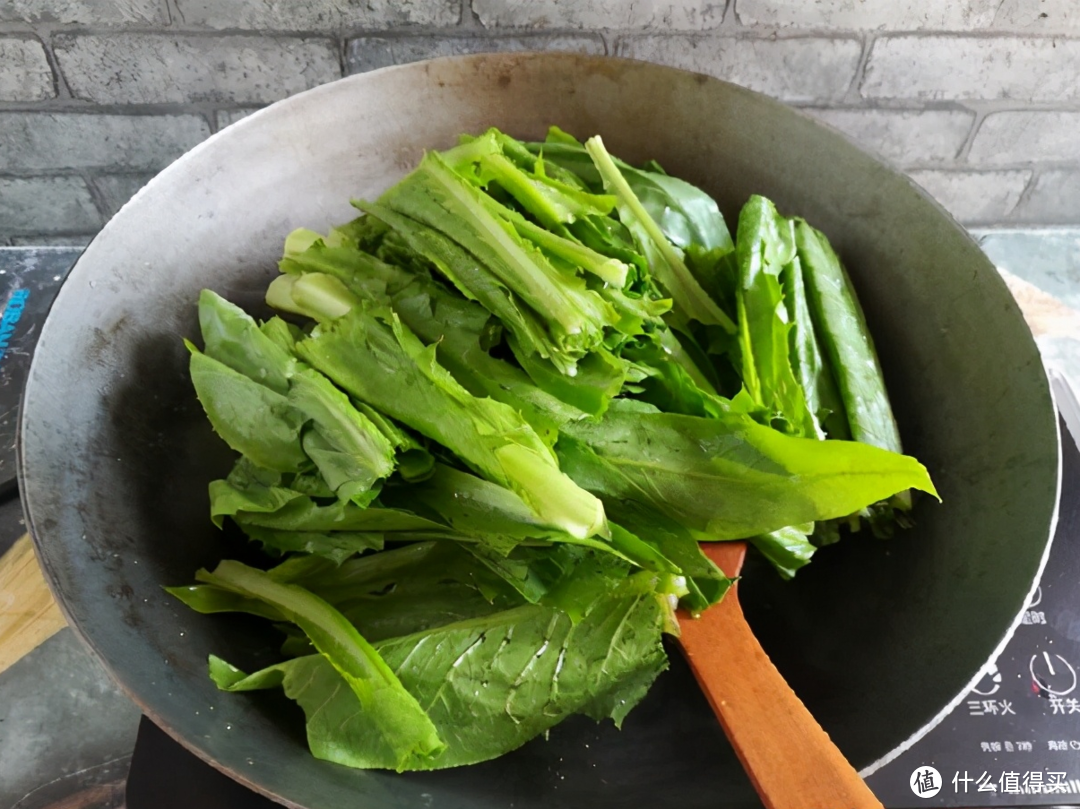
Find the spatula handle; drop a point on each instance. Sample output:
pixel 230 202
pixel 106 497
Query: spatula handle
pixel 791 761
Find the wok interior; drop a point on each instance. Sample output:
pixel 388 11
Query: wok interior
pixel 877 637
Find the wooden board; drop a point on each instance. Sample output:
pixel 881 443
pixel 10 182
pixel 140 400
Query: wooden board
pixel 28 614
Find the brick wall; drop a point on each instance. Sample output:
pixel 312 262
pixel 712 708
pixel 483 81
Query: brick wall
pixel 979 100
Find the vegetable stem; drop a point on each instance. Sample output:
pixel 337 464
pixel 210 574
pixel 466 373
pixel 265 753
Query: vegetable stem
pixel 673 274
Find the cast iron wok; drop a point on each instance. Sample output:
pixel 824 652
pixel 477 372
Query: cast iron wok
pixel 877 637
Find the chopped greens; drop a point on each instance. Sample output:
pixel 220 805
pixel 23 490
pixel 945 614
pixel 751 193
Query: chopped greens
pixel 497 414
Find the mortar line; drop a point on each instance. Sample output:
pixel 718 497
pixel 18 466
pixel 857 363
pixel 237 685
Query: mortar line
pixel 346 33
pixel 609 48
pixel 852 93
pixel 80 107
pixel 40 239
pixel 948 168
pixel 730 20
pixel 976 125
pixel 96 195
pixel 1026 194
pixel 469 21
pixel 483 33
pixel 63 89
pixel 16 27
pixel 85 173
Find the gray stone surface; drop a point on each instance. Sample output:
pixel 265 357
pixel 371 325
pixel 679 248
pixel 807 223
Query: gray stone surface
pixel 903 15
pixel 228 117
pixel 85 12
pixel 1054 198
pixel 965 67
pixel 154 68
pixel 1046 257
pixel 802 70
pixel 904 136
pixel 316 15
pixel 661 15
pixel 46 205
pixel 59 714
pixel 1026 136
pixel 975 197
pixel 368 53
pixel 34 141
pixel 25 74
pixel 116 189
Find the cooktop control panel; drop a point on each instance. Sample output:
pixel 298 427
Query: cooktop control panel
pixel 1014 739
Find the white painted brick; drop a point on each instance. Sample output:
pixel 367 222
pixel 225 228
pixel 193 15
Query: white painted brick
pixel 368 53
pixel 800 70
pixel 1054 199
pixel 153 68
pixel 959 67
pixel 1023 137
pixel 229 117
pixel 35 141
pixel 980 197
pixel 904 136
pixel 84 12
pixel 316 15
pixel 25 74
pixel 1038 16
pixel 46 205
pixel 894 15
pixel 116 189
pixel 669 15
pixel 1020 16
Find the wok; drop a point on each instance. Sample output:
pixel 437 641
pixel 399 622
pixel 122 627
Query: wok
pixel 879 638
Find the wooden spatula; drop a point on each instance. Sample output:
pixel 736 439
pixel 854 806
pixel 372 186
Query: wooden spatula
pixel 791 761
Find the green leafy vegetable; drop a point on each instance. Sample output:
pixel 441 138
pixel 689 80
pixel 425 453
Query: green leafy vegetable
pixel 386 366
pixel 765 249
pixel 488 684
pixel 811 369
pixel 665 261
pixel 396 731
pixel 841 326
pixel 729 477
pixel 252 418
pixel 440 199
pixel 846 340
pixel 498 413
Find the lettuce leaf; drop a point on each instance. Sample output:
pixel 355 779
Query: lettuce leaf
pixel 729 477
pixel 436 196
pixel 766 248
pixel 250 417
pixel 489 684
pixel 397 732
pixel 665 259
pixel 375 358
